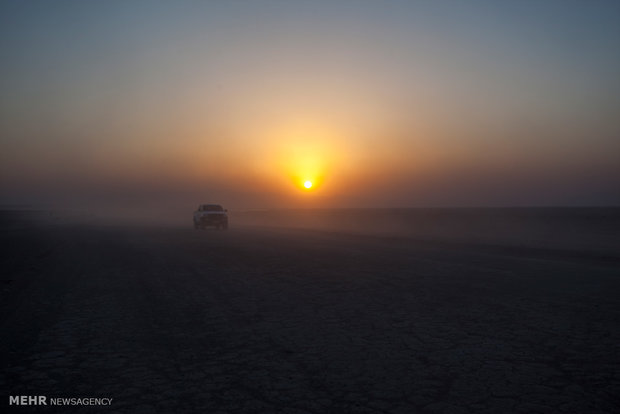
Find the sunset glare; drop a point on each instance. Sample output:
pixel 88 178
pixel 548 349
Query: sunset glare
pixel 310 206
pixel 374 103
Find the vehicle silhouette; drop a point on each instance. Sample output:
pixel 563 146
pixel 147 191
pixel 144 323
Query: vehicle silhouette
pixel 210 215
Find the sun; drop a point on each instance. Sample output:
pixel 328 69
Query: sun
pixel 308 184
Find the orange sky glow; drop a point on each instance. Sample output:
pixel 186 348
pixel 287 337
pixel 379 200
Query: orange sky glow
pixel 398 105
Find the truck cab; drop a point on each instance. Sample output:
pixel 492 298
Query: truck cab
pixel 210 215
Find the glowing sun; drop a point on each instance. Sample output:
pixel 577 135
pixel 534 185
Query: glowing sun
pixel 308 184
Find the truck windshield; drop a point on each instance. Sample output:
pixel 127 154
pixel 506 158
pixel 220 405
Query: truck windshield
pixel 212 208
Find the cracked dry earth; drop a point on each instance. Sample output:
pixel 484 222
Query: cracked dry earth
pixel 298 321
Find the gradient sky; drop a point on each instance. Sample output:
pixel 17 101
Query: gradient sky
pixel 379 103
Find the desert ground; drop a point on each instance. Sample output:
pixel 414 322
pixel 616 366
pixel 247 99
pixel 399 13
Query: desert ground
pixel 267 319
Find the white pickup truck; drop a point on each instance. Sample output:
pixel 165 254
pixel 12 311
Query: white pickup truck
pixel 210 215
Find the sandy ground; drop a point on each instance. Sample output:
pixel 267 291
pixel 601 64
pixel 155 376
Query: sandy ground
pixel 261 320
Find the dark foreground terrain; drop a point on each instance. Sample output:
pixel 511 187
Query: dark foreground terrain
pixel 258 320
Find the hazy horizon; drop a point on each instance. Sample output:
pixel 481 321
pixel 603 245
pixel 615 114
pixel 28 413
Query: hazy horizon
pixel 122 105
